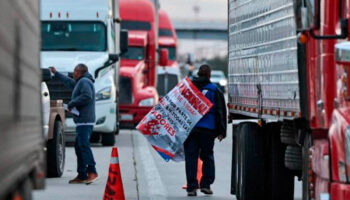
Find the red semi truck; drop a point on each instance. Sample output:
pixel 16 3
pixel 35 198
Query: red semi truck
pixel 168 76
pixel 288 71
pixel 138 92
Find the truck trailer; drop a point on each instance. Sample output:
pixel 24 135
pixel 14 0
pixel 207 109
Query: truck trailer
pixel 288 69
pixel 169 75
pixel 22 156
pixel 85 31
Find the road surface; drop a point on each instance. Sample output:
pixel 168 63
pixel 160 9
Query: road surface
pixel 145 175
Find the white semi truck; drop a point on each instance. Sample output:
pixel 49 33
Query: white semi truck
pixel 85 31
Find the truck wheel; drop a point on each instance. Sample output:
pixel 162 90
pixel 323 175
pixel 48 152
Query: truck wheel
pixel 288 133
pixel 56 151
pixel 305 165
pixel 293 160
pixel 108 139
pixel 251 162
pixel 279 180
pixel 95 137
pixel 234 161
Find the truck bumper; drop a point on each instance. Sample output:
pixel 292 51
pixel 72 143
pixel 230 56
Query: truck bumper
pixel 105 117
pixel 105 120
pixel 340 191
pixel 130 116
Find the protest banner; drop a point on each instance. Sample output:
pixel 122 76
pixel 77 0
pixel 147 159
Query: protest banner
pixel 170 122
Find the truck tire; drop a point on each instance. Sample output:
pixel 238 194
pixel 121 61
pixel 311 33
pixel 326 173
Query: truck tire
pixel 288 133
pixel 234 161
pixel 279 180
pixel 251 162
pixel 95 137
pixel 293 159
pixel 108 139
pixel 56 151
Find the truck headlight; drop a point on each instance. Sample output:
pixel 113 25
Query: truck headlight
pixel 223 82
pixel 103 94
pixel 147 102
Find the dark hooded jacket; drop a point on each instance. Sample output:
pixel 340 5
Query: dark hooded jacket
pixel 220 108
pixel 83 97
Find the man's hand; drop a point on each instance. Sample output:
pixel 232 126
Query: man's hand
pixel 220 137
pixel 53 69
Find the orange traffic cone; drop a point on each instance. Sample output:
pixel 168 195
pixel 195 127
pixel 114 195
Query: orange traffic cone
pixel 114 187
pixel 199 173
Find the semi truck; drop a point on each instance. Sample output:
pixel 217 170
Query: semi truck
pixel 138 74
pixel 168 76
pixel 288 84
pixel 22 141
pixel 85 31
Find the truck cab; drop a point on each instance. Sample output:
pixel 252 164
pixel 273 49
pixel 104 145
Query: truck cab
pixel 169 75
pixel 138 66
pixel 84 32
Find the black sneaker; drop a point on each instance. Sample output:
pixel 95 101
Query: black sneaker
pixel 207 191
pixel 192 193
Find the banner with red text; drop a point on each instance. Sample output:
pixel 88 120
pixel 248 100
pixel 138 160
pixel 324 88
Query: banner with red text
pixel 170 122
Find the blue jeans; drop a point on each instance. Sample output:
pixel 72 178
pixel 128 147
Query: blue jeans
pixel 200 143
pixel 85 158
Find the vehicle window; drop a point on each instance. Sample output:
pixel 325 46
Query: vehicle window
pixel 73 36
pixel 216 74
pixel 134 53
pixel 136 25
pixel 171 52
pixel 165 32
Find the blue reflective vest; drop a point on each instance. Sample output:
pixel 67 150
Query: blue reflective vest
pixel 208 121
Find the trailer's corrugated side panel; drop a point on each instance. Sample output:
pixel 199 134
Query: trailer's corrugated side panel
pixel 263 70
pixel 21 138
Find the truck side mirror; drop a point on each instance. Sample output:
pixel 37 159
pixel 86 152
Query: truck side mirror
pixel 46 74
pixel 124 41
pixel 163 61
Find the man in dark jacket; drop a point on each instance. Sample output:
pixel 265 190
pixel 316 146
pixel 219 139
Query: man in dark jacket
pixel 200 142
pixel 83 99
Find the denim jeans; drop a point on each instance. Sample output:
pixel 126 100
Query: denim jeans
pixel 200 143
pixel 85 158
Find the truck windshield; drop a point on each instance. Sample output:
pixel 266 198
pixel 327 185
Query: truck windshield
pixel 73 36
pixel 136 25
pixel 165 32
pixel 171 52
pixel 134 53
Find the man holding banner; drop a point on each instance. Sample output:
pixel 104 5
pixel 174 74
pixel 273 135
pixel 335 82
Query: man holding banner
pixel 200 142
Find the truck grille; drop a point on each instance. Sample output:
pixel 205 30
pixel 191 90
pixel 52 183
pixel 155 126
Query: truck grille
pixel 125 90
pixel 166 82
pixel 58 91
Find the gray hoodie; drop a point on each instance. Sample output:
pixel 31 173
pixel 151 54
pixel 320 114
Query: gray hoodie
pixel 83 97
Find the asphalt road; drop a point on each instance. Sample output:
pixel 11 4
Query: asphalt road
pixel 146 176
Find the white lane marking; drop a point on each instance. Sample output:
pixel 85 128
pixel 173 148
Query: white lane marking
pixel 156 189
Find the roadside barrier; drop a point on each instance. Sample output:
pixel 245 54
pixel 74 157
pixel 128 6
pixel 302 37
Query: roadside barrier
pixel 199 173
pixel 114 186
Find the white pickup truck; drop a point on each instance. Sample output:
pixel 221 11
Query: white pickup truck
pixel 53 126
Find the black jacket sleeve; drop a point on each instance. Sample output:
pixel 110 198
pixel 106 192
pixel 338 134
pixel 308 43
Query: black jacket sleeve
pixel 220 113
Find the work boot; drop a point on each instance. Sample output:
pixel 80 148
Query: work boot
pixel 77 180
pixel 92 177
pixel 192 193
pixel 207 191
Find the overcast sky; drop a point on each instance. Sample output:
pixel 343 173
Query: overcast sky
pixel 208 10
